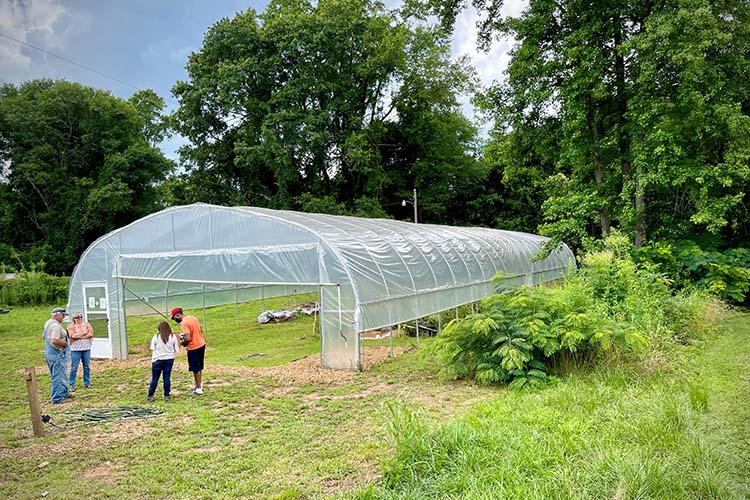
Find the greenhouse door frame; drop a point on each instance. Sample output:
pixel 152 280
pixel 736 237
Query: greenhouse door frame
pixel 94 310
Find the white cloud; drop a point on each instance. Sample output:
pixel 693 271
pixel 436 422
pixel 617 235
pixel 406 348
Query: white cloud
pixel 490 65
pixel 23 20
pixel 166 48
pixel 46 24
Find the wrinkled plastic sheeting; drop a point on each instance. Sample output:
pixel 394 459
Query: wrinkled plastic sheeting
pixel 369 273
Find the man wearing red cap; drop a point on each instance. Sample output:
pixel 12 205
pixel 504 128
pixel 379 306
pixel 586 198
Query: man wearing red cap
pixel 192 337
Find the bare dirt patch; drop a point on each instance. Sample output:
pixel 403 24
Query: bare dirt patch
pixel 108 472
pixel 308 370
pixel 351 482
pixel 207 449
pixel 78 438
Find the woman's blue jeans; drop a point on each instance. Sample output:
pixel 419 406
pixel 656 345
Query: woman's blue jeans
pixel 85 358
pixel 157 368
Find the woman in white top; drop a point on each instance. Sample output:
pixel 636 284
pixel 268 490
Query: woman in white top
pixel 164 348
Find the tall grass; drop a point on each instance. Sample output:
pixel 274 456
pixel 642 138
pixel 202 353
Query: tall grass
pixel 33 288
pixel 584 439
pixel 627 423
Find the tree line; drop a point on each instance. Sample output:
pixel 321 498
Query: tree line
pixel 627 115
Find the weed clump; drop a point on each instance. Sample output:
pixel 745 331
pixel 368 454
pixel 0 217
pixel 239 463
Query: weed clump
pixel 612 305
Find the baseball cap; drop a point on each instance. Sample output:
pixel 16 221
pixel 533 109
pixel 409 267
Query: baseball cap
pixel 175 311
pixel 58 310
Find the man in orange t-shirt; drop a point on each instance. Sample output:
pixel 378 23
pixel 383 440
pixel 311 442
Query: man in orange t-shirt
pixel 192 338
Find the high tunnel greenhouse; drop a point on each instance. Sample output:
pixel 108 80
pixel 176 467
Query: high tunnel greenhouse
pixel 367 273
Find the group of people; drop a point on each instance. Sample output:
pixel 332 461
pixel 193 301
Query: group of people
pixel 75 342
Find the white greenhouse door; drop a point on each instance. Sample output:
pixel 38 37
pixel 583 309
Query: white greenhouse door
pixel 96 312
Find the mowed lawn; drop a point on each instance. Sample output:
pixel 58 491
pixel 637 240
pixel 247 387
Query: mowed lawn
pixel 273 425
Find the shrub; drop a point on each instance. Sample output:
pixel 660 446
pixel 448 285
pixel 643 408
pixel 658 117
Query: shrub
pixel 725 274
pixel 33 288
pixel 612 304
pixel 515 335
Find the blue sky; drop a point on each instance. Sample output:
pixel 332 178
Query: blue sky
pixel 145 43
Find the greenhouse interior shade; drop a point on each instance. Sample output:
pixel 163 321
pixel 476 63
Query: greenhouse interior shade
pixel 367 273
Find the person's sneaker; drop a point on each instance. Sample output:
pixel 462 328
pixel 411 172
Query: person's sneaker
pixel 88 386
pixel 198 391
pixel 59 402
pixel 166 399
pixel 150 399
pixel 72 389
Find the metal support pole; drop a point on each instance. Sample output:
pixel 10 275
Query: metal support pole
pixel 390 331
pixel 361 347
pixel 203 304
pixel 415 206
pixel 315 316
pixel 341 323
pixel 416 323
pixel 166 300
pixel 440 323
pixel 236 306
pixel 323 357
pixel 165 316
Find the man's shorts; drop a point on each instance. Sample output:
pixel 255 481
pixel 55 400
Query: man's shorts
pixel 195 359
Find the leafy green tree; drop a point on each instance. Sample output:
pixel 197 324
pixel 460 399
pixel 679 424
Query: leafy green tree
pixel 651 110
pixel 339 100
pixel 76 163
pixel 519 165
pixel 150 107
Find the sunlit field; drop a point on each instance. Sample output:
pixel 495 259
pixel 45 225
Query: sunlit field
pixel 272 424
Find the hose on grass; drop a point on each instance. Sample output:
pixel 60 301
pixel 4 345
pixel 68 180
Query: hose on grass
pixel 104 415
pixel 116 413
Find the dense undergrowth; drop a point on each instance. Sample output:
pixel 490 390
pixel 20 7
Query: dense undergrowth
pixel 724 273
pixel 612 306
pixel 33 288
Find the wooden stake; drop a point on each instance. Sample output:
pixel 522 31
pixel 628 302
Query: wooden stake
pixel 36 413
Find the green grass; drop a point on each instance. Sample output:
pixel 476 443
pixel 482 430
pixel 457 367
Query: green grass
pixel 228 341
pixel 607 434
pixel 615 432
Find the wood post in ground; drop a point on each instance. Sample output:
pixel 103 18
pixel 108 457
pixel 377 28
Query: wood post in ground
pixel 36 413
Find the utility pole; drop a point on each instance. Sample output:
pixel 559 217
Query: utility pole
pixel 415 206
pixel 413 201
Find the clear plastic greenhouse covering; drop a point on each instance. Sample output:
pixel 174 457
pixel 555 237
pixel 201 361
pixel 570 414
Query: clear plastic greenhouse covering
pixel 368 273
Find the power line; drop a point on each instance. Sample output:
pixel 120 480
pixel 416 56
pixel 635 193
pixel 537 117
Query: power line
pixel 69 61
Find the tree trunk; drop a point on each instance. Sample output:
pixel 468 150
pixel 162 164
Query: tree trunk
pixel 598 165
pixel 640 214
pixel 623 138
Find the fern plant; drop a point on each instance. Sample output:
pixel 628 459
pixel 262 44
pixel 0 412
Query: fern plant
pixel 516 334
